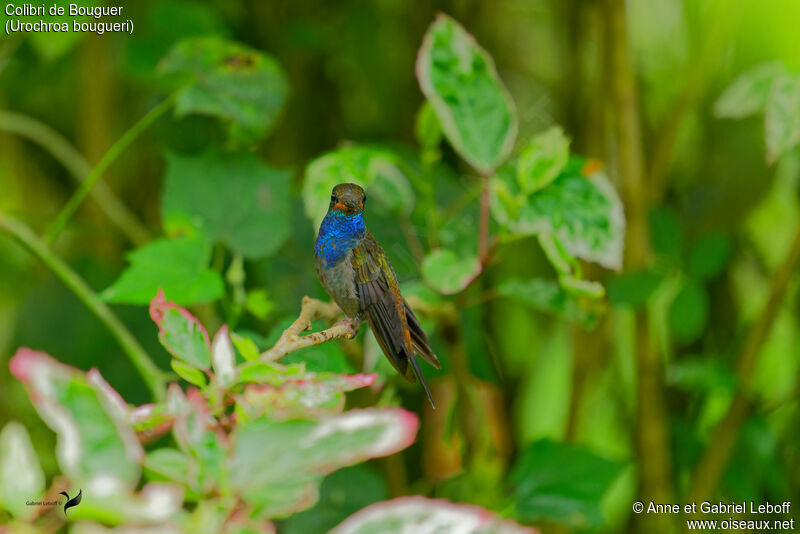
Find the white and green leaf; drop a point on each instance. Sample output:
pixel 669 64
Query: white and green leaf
pixel 420 514
pixel 301 452
pixel 459 79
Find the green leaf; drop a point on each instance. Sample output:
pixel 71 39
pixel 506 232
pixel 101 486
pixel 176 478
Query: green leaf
pixel 95 439
pixel 200 439
pixel 632 289
pixel 583 212
pixel 228 197
pixel 168 464
pixel 240 85
pixel 459 79
pixel 782 117
pixel 301 396
pixel 688 313
pixel 549 297
pixel 301 452
pixel 558 257
pixel 21 475
pixel 748 93
pixel 377 170
pixel 447 272
pixel 542 160
pixel 582 288
pixel 191 374
pixel 709 256
pixel 562 483
pixel 181 333
pixel 255 371
pixel 258 303
pixel 341 494
pixel 178 266
pixel 420 514
pixel 327 357
pixel 666 233
pixel 245 346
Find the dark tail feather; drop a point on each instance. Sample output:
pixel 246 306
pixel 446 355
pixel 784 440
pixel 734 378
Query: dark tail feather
pixel 415 366
pixel 419 339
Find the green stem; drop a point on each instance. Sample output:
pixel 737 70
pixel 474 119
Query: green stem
pixel 153 377
pixel 108 158
pixel 712 465
pixel 483 230
pixel 652 417
pixel 79 168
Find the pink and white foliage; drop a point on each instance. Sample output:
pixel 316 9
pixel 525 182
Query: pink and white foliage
pixel 180 332
pixel 87 415
pixel 420 515
pixel 278 465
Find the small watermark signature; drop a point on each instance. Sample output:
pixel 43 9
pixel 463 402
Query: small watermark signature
pixel 70 502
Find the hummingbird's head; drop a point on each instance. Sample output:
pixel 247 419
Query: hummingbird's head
pixel 348 199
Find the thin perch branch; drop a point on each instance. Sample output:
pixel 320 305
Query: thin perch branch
pixel 311 309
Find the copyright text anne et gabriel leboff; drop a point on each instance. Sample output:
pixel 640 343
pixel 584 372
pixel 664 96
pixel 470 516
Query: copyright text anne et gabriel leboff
pixel 70 18
pixel 708 507
pixel 734 515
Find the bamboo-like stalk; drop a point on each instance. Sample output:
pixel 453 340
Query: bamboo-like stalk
pixel 652 429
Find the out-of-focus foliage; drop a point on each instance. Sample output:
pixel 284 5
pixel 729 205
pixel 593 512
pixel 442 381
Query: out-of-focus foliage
pixel 285 414
pixel 562 483
pixel 228 198
pixel 461 84
pixel 177 266
pixel 227 80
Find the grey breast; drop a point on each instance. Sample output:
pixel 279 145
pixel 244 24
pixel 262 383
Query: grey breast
pixel 339 281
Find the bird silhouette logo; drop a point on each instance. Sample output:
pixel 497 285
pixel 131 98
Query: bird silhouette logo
pixel 75 501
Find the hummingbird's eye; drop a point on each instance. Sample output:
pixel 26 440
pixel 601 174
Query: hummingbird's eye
pixel 333 198
pixel 365 199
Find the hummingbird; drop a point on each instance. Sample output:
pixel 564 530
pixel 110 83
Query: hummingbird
pixel 355 272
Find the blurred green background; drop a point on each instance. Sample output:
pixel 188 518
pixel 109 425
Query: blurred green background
pixel 595 418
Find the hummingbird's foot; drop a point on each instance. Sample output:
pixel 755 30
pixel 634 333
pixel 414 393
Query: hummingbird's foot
pixel 351 325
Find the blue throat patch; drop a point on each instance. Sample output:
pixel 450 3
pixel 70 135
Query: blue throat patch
pixel 338 235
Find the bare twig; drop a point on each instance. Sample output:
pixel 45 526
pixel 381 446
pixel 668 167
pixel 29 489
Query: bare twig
pixel 311 309
pixel 716 457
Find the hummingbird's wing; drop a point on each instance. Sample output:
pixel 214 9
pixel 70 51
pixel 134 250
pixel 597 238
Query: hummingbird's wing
pixel 398 332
